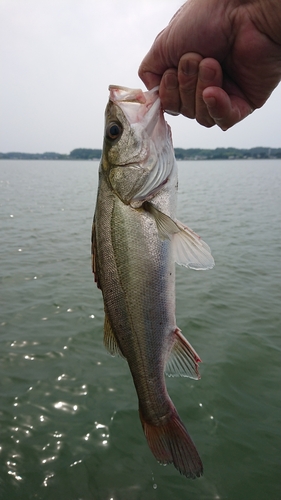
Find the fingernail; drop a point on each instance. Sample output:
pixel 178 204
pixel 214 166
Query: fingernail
pixel 173 113
pixel 190 67
pixel 171 81
pixel 210 101
pixel 206 74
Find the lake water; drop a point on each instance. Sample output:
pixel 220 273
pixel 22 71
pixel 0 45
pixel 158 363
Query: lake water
pixel 69 425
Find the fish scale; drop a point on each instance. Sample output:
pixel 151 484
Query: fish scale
pixel 136 240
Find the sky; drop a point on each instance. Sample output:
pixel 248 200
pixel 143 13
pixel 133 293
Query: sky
pixel 58 58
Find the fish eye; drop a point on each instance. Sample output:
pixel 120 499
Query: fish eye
pixel 113 130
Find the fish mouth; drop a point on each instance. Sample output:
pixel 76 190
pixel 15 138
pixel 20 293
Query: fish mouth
pixel 139 107
pixel 132 164
pixel 125 94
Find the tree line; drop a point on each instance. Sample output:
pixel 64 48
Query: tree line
pixel 180 154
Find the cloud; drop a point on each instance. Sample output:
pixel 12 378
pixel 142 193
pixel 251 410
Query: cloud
pixel 58 58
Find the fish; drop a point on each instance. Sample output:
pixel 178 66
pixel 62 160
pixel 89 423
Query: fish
pixel 136 240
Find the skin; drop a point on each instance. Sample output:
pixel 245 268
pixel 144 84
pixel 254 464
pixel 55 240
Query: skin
pixel 217 60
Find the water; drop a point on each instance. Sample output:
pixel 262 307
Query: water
pixel 69 426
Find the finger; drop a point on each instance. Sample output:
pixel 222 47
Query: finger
pixel 150 79
pixel 187 77
pixel 155 62
pixel 210 75
pixel 226 110
pixel 169 92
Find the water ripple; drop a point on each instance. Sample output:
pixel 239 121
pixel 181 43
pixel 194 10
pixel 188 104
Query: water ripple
pixel 68 410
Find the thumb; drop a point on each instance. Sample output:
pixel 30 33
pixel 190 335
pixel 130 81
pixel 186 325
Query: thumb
pixel 154 63
pixel 150 79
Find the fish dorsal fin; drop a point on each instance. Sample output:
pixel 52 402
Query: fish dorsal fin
pixel 183 360
pixel 109 339
pixel 94 256
pixel 189 249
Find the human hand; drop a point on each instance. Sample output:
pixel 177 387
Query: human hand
pixel 198 90
pixel 235 67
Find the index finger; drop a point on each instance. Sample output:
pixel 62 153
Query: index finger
pixel 150 79
pixel 155 63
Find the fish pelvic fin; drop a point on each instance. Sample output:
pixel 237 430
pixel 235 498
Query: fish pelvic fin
pixel 189 249
pixel 109 339
pixel 170 443
pixel 183 360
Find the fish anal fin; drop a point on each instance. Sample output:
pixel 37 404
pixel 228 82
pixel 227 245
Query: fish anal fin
pixel 183 360
pixel 170 443
pixel 109 339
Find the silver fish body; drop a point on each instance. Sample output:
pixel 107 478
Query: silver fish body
pixel 136 240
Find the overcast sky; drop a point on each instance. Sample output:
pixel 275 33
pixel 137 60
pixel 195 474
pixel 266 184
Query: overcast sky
pixel 58 58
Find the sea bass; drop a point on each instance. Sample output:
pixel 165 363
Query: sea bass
pixel 136 241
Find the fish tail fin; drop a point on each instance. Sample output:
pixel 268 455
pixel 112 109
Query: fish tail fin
pixel 171 443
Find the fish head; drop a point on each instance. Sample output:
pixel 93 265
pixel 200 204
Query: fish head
pixel 138 153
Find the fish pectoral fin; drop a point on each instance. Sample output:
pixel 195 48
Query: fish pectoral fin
pixel 183 360
pixel 189 249
pixel 165 225
pixel 109 339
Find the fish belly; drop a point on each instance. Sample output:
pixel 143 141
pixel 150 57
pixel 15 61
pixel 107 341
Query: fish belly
pixel 137 278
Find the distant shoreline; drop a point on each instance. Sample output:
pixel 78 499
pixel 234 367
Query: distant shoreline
pixel 256 153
